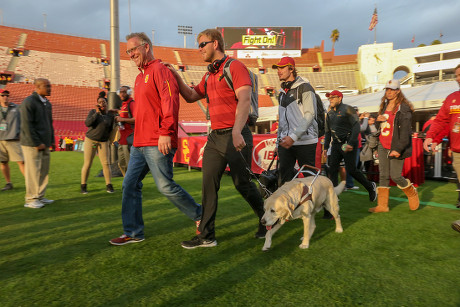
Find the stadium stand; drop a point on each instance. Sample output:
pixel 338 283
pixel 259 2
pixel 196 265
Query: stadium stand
pixel 74 66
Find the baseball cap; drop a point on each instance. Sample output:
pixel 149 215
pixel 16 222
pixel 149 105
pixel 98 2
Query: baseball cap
pixel 393 84
pixel 334 93
pixel 284 62
pixel 4 91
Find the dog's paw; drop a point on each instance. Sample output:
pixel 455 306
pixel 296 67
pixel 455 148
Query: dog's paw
pixel 339 230
pixel 265 249
pixel 303 246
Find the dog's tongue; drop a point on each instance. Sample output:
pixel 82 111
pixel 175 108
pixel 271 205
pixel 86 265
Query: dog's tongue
pixel 268 227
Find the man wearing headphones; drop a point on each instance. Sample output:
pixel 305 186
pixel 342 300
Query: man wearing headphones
pixel 297 130
pixel 155 140
pixel 125 122
pixel 230 140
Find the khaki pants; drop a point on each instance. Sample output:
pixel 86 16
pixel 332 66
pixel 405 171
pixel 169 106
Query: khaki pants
pixel 90 148
pixel 123 158
pixel 37 165
pixel 456 163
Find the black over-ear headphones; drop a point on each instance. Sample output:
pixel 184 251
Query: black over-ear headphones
pixel 287 84
pixel 214 66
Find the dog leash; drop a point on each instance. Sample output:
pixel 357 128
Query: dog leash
pixel 254 175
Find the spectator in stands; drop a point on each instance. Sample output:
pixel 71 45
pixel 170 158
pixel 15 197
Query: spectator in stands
pixel 230 141
pixel 342 126
pixel 100 123
pixel 125 122
pixel 36 138
pixel 68 143
pixel 448 118
pixel 10 148
pixel 394 122
pixel 298 129
pixel 155 140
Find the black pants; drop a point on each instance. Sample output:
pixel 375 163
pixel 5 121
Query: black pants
pixel 337 154
pixel 304 154
pixel 218 152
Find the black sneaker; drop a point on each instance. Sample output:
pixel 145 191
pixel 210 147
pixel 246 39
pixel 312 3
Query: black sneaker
pixel 83 189
pixel 197 242
pixel 110 188
pixel 8 186
pixel 373 192
pixel 260 234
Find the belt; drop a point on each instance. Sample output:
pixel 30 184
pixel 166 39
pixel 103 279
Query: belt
pixel 223 131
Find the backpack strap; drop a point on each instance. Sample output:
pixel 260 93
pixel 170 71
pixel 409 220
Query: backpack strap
pixel 206 94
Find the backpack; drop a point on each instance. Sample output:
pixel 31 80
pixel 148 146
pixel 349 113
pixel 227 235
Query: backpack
pixel 320 115
pixel 254 107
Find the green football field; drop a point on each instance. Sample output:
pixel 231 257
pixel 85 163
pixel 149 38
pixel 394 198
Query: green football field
pixel 60 255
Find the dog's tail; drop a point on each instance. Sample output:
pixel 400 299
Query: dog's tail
pixel 339 188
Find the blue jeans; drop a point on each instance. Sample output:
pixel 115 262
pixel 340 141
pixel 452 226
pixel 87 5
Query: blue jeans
pixel 142 160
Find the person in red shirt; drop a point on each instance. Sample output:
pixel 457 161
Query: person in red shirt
pixel 230 140
pixel 448 118
pixel 155 140
pixel 125 122
pixel 394 122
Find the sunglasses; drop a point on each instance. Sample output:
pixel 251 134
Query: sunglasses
pixel 5 95
pixel 203 44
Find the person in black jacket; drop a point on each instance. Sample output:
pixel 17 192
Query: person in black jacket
pixel 36 138
pixel 342 127
pixel 394 124
pixel 100 122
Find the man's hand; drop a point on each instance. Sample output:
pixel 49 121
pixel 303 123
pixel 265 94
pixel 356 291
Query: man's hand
pixel 238 141
pixel 164 144
pixel 348 148
pixel 119 119
pixel 286 142
pixel 394 153
pixel 40 147
pixel 171 68
pixel 429 145
pixel 324 153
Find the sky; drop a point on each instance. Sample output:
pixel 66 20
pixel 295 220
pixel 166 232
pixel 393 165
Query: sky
pixel 398 21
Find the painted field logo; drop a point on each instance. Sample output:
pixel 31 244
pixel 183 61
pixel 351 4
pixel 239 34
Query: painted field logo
pixel 263 152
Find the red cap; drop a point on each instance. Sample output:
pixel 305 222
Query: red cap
pixel 284 62
pixel 334 93
pixel 4 91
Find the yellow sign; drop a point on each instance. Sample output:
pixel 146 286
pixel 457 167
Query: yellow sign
pixel 259 40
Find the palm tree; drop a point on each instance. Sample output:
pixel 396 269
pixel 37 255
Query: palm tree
pixel 334 37
pixel 436 42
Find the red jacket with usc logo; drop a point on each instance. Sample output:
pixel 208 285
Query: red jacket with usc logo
pixel 157 105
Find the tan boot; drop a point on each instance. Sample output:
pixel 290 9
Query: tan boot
pixel 412 195
pixel 383 194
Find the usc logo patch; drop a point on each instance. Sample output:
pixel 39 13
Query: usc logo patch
pixel 146 78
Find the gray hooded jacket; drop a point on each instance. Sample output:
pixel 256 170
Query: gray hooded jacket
pixel 297 113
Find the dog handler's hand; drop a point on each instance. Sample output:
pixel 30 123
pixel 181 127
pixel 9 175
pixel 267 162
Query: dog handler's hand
pixel 287 142
pixel 238 141
pixel 164 144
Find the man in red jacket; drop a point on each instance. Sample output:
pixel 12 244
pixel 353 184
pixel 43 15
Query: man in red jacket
pixel 448 117
pixel 155 140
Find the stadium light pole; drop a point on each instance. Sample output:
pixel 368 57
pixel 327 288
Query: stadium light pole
pixel 153 37
pixel 185 30
pixel 1 16
pixel 129 13
pixel 44 22
pixel 114 100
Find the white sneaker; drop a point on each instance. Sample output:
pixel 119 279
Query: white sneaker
pixel 34 205
pixel 46 201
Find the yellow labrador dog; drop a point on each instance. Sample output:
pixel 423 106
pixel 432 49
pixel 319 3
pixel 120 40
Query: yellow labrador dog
pixel 284 205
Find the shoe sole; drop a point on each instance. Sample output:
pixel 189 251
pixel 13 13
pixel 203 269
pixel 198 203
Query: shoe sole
pixel 212 244
pixel 110 192
pixel 127 242
pixel 33 207
pixel 456 227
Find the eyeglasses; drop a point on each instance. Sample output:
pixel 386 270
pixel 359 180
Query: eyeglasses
pixel 5 95
pixel 203 44
pixel 129 51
